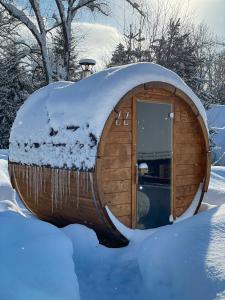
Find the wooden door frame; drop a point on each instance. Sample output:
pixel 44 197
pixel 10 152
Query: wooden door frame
pixel 135 99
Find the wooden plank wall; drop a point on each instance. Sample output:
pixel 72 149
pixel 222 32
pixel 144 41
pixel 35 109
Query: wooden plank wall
pixel 116 154
pixel 189 156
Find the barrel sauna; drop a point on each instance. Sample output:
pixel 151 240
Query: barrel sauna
pixel 129 142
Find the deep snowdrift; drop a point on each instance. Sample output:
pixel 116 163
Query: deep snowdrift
pixel 6 191
pixel 186 260
pixel 35 261
pixel 9 200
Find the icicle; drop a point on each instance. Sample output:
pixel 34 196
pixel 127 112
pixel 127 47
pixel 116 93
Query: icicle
pixel 78 188
pixel 44 172
pixel 34 184
pixel 52 189
pixel 83 183
pixel 26 180
pixel 69 182
pixel 64 177
pixel 61 183
pixel 92 186
pixel 30 182
pixel 87 183
pixel 73 194
pixel 22 173
pixel 37 184
pixel 60 188
pixel 41 179
pixel 55 188
pixel 65 185
pixel 14 170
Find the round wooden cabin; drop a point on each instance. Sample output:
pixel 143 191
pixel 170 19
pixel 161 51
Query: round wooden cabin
pixel 129 142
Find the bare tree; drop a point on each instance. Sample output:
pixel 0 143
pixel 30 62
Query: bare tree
pixel 67 10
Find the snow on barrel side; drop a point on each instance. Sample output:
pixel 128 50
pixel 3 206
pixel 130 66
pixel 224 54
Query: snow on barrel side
pixel 129 141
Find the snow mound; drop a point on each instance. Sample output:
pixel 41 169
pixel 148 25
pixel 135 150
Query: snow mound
pixel 60 125
pixel 7 192
pixel 9 200
pixel 216 191
pixel 216 121
pixel 35 261
pixel 205 206
pixel 186 260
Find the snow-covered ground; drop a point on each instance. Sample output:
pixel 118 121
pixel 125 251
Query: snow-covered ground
pixel 216 192
pixel 216 121
pixel 176 262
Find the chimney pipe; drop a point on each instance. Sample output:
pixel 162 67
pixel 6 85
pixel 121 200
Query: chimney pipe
pixel 87 67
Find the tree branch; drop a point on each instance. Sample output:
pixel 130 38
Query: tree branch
pixel 21 16
pixel 36 9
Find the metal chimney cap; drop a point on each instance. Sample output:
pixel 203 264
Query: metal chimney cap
pixel 87 62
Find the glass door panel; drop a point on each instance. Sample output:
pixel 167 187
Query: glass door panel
pixel 154 162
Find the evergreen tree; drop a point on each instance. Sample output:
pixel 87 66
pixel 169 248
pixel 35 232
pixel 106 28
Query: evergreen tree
pixel 178 51
pixel 219 77
pixel 58 58
pixel 14 88
pixel 120 56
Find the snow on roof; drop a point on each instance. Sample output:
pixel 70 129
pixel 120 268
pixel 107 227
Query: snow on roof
pixel 60 125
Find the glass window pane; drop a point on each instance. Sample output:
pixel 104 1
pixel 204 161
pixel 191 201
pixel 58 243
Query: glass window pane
pixel 154 160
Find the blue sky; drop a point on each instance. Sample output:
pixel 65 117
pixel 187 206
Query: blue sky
pixel 102 33
pixel 210 12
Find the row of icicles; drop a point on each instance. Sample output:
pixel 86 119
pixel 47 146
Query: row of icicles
pixel 60 184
